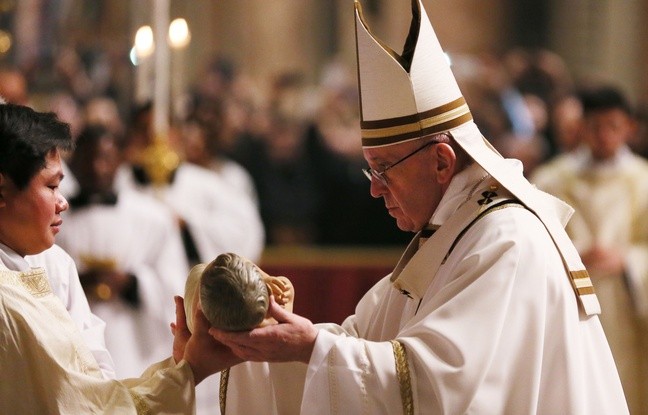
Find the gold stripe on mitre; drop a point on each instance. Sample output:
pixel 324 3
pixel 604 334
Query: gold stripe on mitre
pixel 394 130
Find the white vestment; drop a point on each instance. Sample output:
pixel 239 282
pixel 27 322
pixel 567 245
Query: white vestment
pixel 497 330
pixel 611 203
pixel 219 217
pixel 137 235
pixel 237 176
pixel 64 280
pixel 47 369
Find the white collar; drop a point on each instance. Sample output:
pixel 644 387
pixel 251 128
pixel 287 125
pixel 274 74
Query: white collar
pixel 10 259
pixel 460 189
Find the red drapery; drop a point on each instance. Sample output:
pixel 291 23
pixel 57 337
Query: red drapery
pixel 329 282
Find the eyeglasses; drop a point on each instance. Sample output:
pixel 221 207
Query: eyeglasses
pixel 380 175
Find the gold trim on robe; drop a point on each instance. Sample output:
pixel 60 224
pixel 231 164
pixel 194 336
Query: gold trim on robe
pixel 222 390
pixel 404 377
pixel 140 404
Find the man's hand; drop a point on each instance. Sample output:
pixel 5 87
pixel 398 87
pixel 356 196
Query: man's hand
pixel 292 339
pixel 205 355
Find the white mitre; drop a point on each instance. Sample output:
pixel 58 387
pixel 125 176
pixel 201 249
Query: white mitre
pixel 415 94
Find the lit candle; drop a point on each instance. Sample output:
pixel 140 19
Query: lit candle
pixel 179 38
pixel 144 46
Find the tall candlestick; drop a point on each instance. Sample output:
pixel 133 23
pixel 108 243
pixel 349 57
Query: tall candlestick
pixel 162 69
pixel 159 159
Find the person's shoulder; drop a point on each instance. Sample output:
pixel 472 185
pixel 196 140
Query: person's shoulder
pixel 144 206
pixel 554 168
pixel 53 255
pixel 635 170
pixel 60 268
pixel 189 174
pixel 507 223
pixel 637 162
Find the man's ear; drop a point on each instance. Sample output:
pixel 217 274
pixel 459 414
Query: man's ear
pixel 446 162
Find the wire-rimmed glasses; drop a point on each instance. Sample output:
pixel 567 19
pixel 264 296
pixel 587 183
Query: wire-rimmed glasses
pixel 380 175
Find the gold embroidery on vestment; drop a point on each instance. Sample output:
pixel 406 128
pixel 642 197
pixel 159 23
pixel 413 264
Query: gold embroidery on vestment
pixel 140 404
pixel 34 281
pixel 222 390
pixel 333 390
pixel 404 377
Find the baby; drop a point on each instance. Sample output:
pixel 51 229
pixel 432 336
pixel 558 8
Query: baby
pixel 234 293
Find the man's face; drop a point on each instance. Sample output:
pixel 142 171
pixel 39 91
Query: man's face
pixel 606 131
pixel 31 217
pixel 96 169
pixel 412 192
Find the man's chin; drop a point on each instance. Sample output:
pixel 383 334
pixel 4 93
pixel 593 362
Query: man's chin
pixel 405 225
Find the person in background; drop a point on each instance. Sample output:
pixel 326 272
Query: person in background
pixel 606 183
pixel 565 123
pixel 129 253
pixel 346 216
pixel 490 309
pixel 212 217
pixel 45 364
pixel 280 161
pixel 69 111
pixel 201 146
pixel 13 86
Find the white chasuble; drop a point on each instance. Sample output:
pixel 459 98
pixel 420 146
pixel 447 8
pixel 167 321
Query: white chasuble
pixel 495 328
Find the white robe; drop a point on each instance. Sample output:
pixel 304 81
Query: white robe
pixel 138 236
pixel 47 369
pixel 496 330
pixel 64 280
pixel 219 217
pixel 611 202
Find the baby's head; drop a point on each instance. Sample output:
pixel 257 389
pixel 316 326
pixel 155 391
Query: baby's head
pixel 233 294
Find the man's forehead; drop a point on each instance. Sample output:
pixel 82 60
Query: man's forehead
pixel 53 166
pixel 381 152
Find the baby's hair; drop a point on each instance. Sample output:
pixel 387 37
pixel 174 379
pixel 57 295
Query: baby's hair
pixel 233 295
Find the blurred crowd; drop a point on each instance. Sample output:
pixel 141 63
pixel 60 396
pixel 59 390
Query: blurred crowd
pixel 293 146
pixel 250 164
